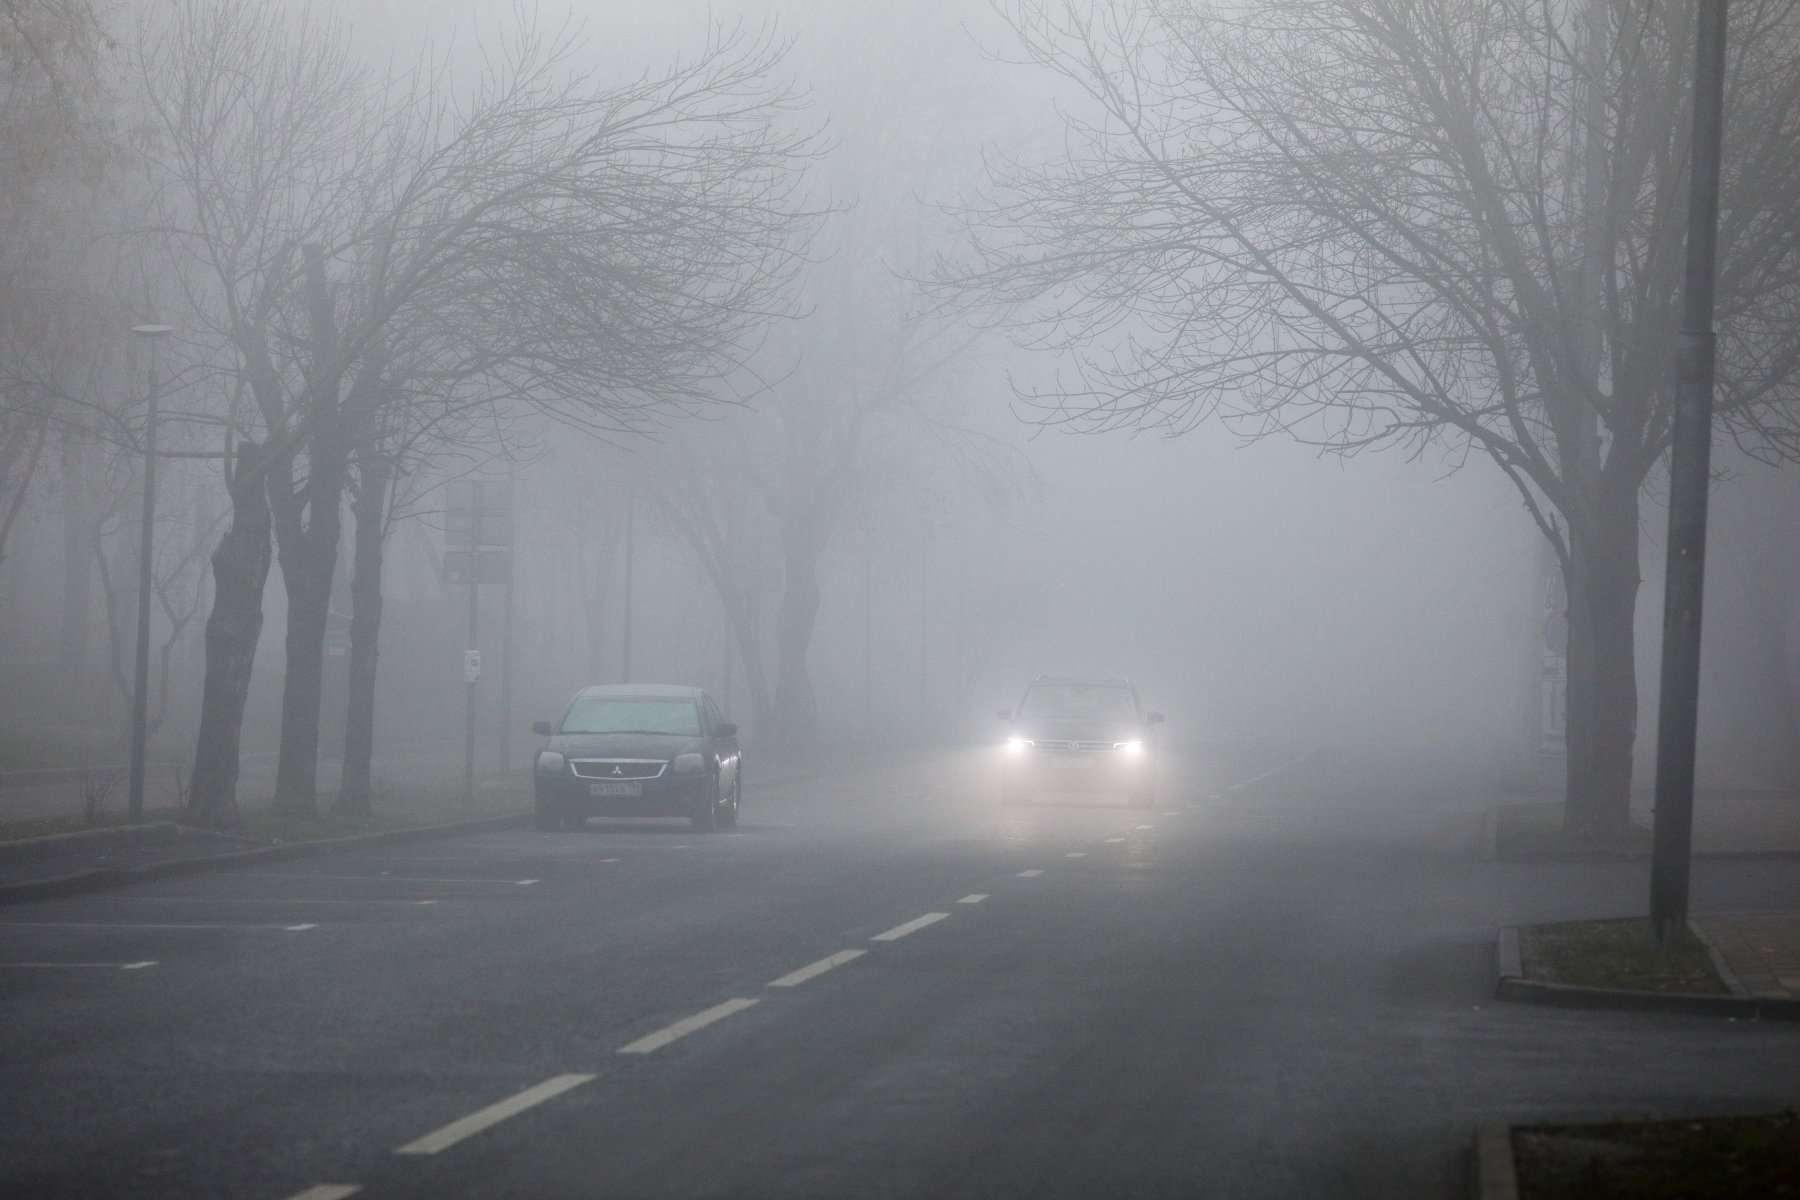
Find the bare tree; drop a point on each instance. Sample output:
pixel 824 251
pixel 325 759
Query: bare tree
pixel 1374 223
pixel 549 240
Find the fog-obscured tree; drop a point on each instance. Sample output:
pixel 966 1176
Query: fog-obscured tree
pixel 540 237
pixel 1425 225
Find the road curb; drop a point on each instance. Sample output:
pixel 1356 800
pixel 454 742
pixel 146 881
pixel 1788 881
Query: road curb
pixel 97 879
pixel 1511 984
pixel 1496 1176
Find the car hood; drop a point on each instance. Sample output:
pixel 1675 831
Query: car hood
pixel 1076 730
pixel 624 745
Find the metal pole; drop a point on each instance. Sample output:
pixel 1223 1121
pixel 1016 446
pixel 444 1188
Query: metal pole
pixel 868 646
pixel 506 669
pixel 1689 474
pixel 630 555
pixel 140 689
pixel 469 713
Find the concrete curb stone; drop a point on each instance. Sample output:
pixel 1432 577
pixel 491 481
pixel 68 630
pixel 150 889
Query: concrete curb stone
pixel 96 879
pixel 1496 1175
pixel 1511 984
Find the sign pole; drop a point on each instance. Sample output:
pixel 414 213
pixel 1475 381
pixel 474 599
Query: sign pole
pixel 469 678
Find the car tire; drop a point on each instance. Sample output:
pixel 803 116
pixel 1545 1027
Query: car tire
pixel 706 820
pixel 546 819
pixel 728 819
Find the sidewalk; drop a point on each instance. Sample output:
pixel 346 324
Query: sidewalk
pixel 1760 952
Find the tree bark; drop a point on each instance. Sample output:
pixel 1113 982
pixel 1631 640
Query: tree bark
pixel 240 571
pixel 370 510
pixel 1604 601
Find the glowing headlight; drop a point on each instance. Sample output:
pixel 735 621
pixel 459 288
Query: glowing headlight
pixel 550 761
pixel 1131 749
pixel 689 764
pixel 1018 745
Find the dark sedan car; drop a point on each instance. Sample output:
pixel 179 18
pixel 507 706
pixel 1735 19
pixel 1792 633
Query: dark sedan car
pixel 638 750
pixel 1079 735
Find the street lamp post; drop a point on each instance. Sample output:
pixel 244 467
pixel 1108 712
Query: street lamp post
pixel 140 690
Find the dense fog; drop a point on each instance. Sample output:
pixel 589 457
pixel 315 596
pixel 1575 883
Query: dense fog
pixel 873 431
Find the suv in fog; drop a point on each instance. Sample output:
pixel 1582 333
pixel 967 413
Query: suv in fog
pixel 638 750
pixel 1079 735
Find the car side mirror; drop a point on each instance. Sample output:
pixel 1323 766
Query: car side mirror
pixel 543 728
pixel 1153 718
pixel 725 730
pixel 1004 714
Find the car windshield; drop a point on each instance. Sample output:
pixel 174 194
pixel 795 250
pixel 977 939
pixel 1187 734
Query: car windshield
pixel 1079 701
pixel 633 714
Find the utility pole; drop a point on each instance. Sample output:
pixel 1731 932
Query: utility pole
pixel 140 688
pixel 471 675
pixel 1689 476
pixel 630 556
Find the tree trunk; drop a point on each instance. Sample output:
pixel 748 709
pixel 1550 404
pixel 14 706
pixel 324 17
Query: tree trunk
pixel 796 707
pixel 76 617
pixel 307 571
pixel 370 509
pixel 240 571
pixel 1603 693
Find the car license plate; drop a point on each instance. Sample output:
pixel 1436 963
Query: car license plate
pixel 633 788
pixel 1063 762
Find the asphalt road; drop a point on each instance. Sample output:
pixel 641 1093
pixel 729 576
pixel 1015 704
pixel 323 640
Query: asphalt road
pixel 1277 984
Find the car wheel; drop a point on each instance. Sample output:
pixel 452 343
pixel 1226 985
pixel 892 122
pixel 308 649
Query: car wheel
pixel 706 818
pixel 729 817
pixel 546 819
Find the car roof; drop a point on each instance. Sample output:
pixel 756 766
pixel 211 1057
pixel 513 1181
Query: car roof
pixel 645 690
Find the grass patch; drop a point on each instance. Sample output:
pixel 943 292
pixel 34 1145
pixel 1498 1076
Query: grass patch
pixel 1713 1158
pixel 1617 954
pixel 30 827
pixel 1536 831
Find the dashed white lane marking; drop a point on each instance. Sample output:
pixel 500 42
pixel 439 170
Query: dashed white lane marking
pixel 1030 873
pixel 912 926
pixel 1113 841
pixel 1143 827
pixel 974 898
pixel 1275 770
pixel 685 1026
pixel 395 878
pixel 814 970
pixel 1076 854
pixel 100 966
pixel 298 928
pixel 328 1191
pixel 607 860
pixel 493 1114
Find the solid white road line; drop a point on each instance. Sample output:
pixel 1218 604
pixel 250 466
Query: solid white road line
pixel 1258 778
pixel 328 1191
pixel 975 898
pixel 48 966
pixel 685 1026
pixel 282 900
pixel 493 1114
pixel 1029 874
pixel 392 878
pixel 814 970
pixel 137 925
pixel 912 926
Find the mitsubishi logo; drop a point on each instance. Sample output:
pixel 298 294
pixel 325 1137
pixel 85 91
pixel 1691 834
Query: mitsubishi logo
pixel 618 770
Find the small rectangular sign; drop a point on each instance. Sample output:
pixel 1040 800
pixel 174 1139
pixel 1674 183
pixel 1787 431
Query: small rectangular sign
pixel 471 665
pixel 616 789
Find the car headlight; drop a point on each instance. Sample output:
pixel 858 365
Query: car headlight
pixel 1018 745
pixel 1131 749
pixel 688 764
pixel 550 762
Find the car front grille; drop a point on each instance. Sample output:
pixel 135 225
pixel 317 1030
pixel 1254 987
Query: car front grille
pixel 1060 747
pixel 617 768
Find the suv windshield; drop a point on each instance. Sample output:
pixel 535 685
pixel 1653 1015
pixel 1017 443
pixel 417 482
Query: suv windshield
pixel 632 714
pixel 1077 701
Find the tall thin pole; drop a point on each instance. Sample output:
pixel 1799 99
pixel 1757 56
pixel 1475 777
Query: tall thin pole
pixel 868 646
pixel 506 670
pixel 140 687
pixel 630 556
pixel 469 679
pixel 1689 475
